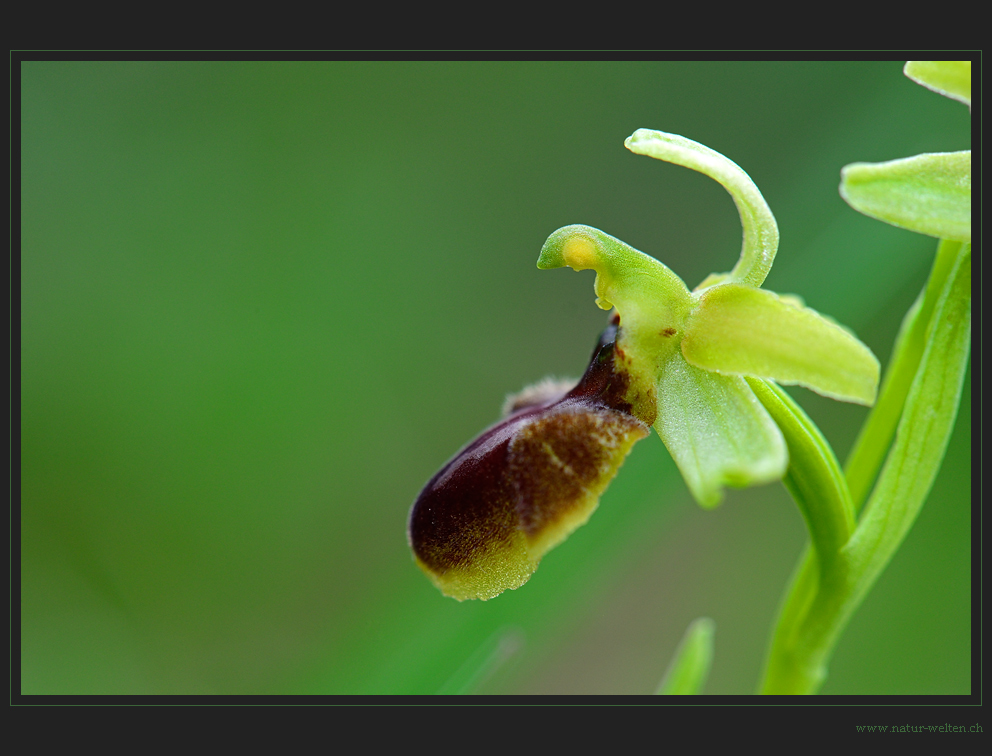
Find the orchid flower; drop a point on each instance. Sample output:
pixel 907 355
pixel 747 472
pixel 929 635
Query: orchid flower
pixel 673 359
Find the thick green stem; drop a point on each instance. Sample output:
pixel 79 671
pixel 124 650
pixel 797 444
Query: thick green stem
pixel 827 588
pixel 872 444
pixel 923 433
pixel 813 478
pixel 815 481
pixel 782 668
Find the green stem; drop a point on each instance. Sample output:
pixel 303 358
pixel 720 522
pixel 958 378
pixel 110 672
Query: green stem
pixel 828 587
pixel 813 478
pixel 781 665
pixel 868 453
pixel 923 433
pixel 816 483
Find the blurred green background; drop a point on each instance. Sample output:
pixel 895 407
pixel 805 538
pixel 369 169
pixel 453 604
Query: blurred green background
pixel 263 302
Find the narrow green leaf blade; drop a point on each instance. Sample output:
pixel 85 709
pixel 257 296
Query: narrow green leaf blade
pixel 690 666
pixel 951 78
pixel 814 477
pixel 741 330
pixel 929 194
pixel 876 434
pixel 923 432
pixel 716 430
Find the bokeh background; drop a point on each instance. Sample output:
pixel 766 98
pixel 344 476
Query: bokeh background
pixel 262 303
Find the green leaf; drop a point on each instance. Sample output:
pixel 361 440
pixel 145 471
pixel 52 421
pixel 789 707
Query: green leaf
pixel 821 602
pixel 876 434
pixel 814 477
pixel 690 666
pixel 716 430
pixel 923 432
pixel 929 194
pixel 741 330
pixel 951 78
pixel 760 229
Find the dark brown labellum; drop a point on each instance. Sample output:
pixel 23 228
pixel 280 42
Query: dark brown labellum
pixel 483 522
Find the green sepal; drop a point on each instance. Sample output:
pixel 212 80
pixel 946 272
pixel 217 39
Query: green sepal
pixel 760 229
pixel 951 78
pixel 929 194
pixel 741 330
pixel 716 430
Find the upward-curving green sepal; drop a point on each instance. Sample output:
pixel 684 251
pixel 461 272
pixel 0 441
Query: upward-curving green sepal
pixel 760 229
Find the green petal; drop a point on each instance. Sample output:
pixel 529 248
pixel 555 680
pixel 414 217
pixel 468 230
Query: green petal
pixel 760 229
pixel 716 430
pixel 742 330
pixel 929 194
pixel 951 78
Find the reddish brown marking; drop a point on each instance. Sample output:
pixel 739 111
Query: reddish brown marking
pixel 668 332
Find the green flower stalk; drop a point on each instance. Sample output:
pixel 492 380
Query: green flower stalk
pixel 928 194
pixel 906 434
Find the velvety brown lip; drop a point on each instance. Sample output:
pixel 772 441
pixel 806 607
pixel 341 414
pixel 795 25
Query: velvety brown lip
pixel 525 483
